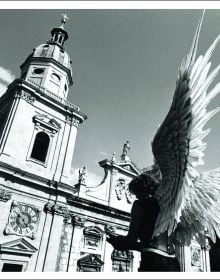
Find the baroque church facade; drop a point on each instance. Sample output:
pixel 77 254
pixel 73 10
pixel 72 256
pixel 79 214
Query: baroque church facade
pixel 46 223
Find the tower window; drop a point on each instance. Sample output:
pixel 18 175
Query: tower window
pixel 55 77
pixel 38 70
pixel 40 147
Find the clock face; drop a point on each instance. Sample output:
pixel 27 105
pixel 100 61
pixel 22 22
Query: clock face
pixel 23 220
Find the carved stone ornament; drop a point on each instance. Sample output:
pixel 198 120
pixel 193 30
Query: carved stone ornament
pixel 122 255
pixel 44 121
pixel 23 220
pixel 92 238
pixel 57 209
pixel 69 119
pixel 5 195
pixel 72 120
pixel 121 190
pixel 76 122
pixel 196 257
pixel 27 97
pixel 79 221
pixel 61 210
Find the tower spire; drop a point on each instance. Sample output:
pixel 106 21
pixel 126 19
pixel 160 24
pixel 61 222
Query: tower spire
pixel 59 35
pixel 63 20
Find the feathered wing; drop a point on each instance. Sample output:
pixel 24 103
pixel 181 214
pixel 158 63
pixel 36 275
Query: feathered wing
pixel 201 209
pixel 178 144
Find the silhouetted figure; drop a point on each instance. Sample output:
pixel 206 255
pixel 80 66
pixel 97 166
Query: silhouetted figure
pixel 157 254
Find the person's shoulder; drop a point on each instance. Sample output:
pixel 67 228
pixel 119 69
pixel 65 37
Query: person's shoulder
pixel 149 202
pixel 137 206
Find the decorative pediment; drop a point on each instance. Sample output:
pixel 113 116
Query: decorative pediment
pixel 44 120
pixel 129 166
pixel 18 246
pixel 90 260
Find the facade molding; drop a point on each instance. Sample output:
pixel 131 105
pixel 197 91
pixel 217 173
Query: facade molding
pixel 85 204
pixel 37 91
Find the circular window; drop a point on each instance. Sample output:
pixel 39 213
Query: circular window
pixel 65 87
pixel 38 71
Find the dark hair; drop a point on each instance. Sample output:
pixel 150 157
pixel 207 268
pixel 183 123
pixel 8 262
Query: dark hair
pixel 143 185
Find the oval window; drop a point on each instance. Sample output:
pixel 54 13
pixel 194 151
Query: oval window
pixel 55 77
pixel 38 71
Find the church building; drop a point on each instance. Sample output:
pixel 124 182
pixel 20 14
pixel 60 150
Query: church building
pixel 46 223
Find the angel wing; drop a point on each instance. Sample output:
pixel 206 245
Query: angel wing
pixel 178 146
pixel 202 208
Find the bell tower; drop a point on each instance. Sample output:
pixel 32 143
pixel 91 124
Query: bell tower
pixel 38 126
pixel 49 66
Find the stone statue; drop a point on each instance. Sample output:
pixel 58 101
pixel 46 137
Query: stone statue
pixel 126 149
pixel 82 175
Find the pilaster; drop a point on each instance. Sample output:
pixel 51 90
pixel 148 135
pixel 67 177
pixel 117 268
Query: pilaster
pixel 79 223
pixel 58 212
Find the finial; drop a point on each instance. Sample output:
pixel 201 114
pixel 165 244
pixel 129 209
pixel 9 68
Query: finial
pixel 113 159
pixel 63 20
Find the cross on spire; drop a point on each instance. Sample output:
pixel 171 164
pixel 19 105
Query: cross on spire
pixel 63 20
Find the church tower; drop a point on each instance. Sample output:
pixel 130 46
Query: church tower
pixel 38 128
pixel 38 124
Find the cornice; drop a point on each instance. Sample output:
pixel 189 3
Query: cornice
pixel 34 91
pixel 85 204
pixel 19 174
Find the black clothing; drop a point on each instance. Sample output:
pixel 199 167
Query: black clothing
pixel 151 261
pixel 158 263
pixel 144 214
pixel 148 216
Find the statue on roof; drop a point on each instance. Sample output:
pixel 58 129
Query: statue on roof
pixel 126 149
pixel 82 176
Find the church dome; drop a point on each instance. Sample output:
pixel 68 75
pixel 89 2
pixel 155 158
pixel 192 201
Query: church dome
pixel 55 47
pixel 54 51
pixel 49 65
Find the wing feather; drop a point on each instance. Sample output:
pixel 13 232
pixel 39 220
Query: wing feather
pixel 178 147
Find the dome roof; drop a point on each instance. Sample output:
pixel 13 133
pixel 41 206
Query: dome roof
pixel 53 51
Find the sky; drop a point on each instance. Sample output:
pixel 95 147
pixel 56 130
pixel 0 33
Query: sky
pixel 125 66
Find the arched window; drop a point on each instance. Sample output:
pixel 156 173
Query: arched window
pixel 92 238
pixel 40 147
